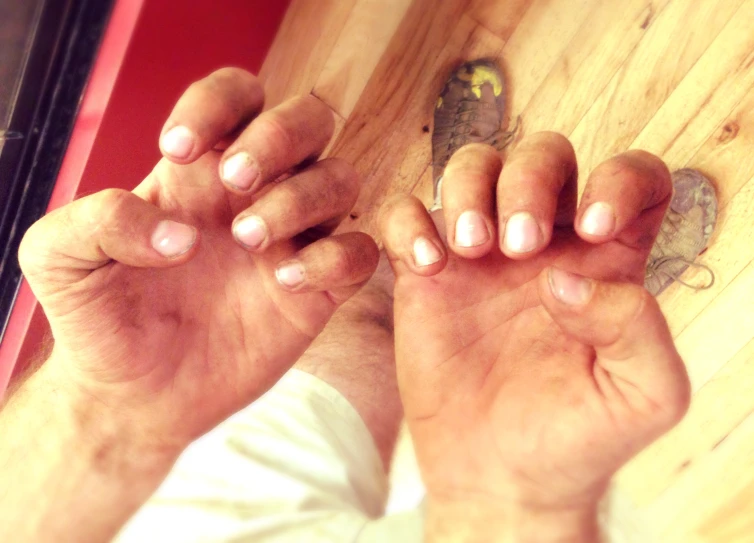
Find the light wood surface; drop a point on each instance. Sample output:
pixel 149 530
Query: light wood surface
pixel 675 77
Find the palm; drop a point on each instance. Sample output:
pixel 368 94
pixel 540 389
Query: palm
pixel 483 365
pixel 215 332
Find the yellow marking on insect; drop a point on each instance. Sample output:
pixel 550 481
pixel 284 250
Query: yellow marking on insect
pixel 481 75
pixel 439 103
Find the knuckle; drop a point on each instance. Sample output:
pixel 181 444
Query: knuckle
pixel 272 129
pixel 234 73
pixel 342 178
pixel 109 202
pixel 31 247
pixel 229 77
pixel 351 258
pixel 678 402
pixel 312 104
pixel 340 260
pixel 552 139
pixel 294 202
pixel 391 208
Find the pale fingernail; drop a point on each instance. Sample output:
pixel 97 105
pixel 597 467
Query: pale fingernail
pixel 172 239
pixel 522 233
pixel 250 231
pixel 178 142
pixel 570 288
pixel 471 230
pixel 290 275
pixel 240 171
pixel 425 252
pixel 598 219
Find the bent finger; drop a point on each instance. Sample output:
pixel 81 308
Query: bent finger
pixel 339 264
pixel 208 111
pixel 537 190
pixel 319 197
pixel 625 199
pixel 410 236
pixel 468 199
pixel 275 142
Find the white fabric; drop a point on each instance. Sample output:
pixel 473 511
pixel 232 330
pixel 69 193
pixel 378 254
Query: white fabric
pixel 298 465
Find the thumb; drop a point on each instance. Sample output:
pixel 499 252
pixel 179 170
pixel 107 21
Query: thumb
pixel 66 245
pixel 631 339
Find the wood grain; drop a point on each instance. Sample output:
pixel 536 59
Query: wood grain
pixel 500 18
pixel 541 37
pixel 389 117
pixel 670 47
pixel 721 78
pixel 302 46
pixel 594 55
pixel 365 36
pixel 717 409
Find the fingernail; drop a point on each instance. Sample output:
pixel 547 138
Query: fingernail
pixel 522 233
pixel 290 275
pixel 250 231
pixel 240 171
pixel 570 288
pixel 178 142
pixel 598 219
pixel 471 230
pixel 172 239
pixel 425 252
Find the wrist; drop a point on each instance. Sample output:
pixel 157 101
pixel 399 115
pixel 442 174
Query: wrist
pixel 111 437
pixel 70 461
pixel 471 521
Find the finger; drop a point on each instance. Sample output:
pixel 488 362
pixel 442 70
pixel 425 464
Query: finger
pixel 625 199
pixel 411 239
pixel 110 225
pixel 320 196
pixel 537 189
pixel 338 264
pixel 468 199
pixel 624 324
pixel 210 110
pixel 275 142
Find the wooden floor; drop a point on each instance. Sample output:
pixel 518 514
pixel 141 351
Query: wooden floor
pixel 675 77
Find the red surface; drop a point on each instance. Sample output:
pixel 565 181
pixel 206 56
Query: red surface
pixel 142 68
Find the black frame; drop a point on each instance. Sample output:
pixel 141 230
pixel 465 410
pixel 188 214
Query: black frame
pixel 57 68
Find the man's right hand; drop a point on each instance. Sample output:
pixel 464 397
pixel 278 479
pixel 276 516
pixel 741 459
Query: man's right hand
pixel 178 304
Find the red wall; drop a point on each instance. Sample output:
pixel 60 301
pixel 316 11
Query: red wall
pixel 173 44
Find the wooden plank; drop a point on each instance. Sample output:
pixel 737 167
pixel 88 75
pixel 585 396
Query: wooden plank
pixel 723 76
pixel 670 47
pixel 365 37
pixel 384 136
pixel 500 18
pixel 716 410
pixel 733 522
pixel 537 43
pixel 726 156
pixel 302 46
pixel 705 488
pixel 468 41
pixel 720 331
pixel 595 54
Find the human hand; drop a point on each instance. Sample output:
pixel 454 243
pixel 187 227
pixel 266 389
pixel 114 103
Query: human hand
pixel 157 310
pixel 531 365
